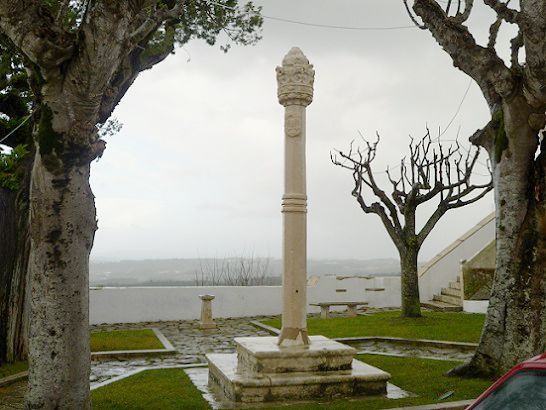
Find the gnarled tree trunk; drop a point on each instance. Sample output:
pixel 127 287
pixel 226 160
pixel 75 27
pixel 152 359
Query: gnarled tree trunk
pixel 14 252
pixel 411 303
pixel 83 57
pixel 515 328
pixel 63 224
pixel 8 239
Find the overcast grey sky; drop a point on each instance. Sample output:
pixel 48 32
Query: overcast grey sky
pixel 197 169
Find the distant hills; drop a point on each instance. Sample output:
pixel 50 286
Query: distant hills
pixel 191 272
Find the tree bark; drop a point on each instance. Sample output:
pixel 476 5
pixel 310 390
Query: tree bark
pixel 515 328
pixel 63 224
pixel 516 319
pixel 79 73
pixel 411 303
pixel 14 252
pixel 8 239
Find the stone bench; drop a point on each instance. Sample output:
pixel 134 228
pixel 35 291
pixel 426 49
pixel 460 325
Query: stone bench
pixel 325 307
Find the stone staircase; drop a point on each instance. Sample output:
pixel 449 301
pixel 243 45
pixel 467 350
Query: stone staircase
pixel 449 300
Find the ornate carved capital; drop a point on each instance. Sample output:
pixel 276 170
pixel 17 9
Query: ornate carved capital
pixel 295 79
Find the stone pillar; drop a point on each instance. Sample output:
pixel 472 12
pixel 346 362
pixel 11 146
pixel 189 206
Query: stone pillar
pixel 295 91
pixel 291 367
pixel 207 322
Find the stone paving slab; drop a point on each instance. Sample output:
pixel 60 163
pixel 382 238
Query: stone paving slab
pixel 190 342
pixel 187 338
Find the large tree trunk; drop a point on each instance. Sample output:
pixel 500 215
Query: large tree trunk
pixel 515 328
pixel 14 252
pixel 411 303
pixel 8 238
pixel 63 224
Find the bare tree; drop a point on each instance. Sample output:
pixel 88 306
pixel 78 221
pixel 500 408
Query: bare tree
pixel 237 271
pixel 429 173
pixel 515 92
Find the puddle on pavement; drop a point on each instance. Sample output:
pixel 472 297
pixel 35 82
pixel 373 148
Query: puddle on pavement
pixel 410 350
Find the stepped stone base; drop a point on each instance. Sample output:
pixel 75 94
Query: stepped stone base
pixel 457 301
pixel 264 355
pixel 261 371
pixel 441 306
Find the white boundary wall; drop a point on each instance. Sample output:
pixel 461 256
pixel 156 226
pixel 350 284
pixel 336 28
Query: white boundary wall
pixel 445 267
pixel 379 291
pixel 147 304
pixel 475 306
pixel 152 304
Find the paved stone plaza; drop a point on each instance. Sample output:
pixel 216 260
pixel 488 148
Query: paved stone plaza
pixel 190 341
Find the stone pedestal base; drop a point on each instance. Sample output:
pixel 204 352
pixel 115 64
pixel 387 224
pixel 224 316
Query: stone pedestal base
pixel 262 371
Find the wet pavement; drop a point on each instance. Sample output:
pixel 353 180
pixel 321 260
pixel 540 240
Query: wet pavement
pixel 410 350
pixel 192 343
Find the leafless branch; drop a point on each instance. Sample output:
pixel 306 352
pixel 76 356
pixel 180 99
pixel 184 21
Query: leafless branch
pixel 503 11
pixel 234 271
pixel 515 45
pixel 412 17
pixel 460 18
pixel 493 32
pixel 480 63
pixel 448 6
pixel 429 172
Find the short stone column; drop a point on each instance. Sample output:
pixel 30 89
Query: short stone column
pixel 324 311
pixel 295 79
pixel 351 310
pixel 207 322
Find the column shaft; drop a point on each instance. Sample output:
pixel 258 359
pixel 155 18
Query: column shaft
pixel 295 80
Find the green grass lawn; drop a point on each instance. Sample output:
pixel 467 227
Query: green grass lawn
pixel 151 389
pixel 423 377
pixel 453 326
pixel 104 341
pixel 12 368
pixel 172 389
pixel 125 340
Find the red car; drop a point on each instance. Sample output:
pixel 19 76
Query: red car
pixel 522 388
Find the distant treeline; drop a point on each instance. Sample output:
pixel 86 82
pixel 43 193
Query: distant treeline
pixel 268 281
pixel 229 271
